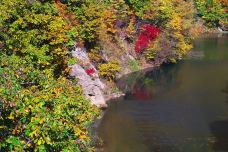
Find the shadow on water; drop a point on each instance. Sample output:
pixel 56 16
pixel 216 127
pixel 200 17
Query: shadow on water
pixel 220 131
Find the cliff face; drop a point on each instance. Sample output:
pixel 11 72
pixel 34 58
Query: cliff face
pixel 89 81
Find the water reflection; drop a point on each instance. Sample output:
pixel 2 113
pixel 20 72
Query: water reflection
pixel 146 84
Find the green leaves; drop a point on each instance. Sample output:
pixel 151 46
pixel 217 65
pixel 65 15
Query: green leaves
pixel 36 30
pixel 212 11
pixel 39 111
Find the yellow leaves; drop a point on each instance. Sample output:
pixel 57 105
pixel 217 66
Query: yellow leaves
pixel 34 132
pixel 178 26
pixel 39 142
pixel 107 19
pixel 77 131
pixel 20 21
pixel 46 108
pixel 57 24
pixel 57 38
pixel 94 55
pixel 17 76
pixel 1 127
pixel 131 26
pixel 109 70
pixel 47 140
pixel 175 23
pixel 108 15
pixel 184 47
pixel 26 91
pixel 83 137
pixel 11 116
pixel 82 134
pixel 36 18
pixel 178 35
pixel 58 51
pixel 41 121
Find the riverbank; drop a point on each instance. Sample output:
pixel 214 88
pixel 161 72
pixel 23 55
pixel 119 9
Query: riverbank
pixel 150 66
pixel 144 119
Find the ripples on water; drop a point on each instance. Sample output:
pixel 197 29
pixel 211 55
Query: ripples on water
pixel 176 108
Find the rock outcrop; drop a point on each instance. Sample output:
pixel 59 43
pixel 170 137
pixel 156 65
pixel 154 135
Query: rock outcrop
pixel 90 82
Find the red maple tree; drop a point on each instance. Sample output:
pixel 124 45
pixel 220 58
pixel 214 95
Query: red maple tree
pixel 148 34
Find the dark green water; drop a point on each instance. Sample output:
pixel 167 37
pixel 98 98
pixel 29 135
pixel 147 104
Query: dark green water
pixel 176 108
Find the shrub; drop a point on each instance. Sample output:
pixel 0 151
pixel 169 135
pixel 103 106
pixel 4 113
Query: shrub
pixel 152 50
pixel 90 71
pixel 133 65
pixel 72 61
pixel 148 33
pixel 109 70
pixel 95 55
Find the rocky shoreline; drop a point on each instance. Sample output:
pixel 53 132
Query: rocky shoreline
pixel 95 90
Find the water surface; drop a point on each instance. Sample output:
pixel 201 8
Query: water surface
pixel 175 108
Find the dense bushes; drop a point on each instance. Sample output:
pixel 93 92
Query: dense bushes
pixel 212 11
pixel 36 30
pixel 40 109
pixel 39 112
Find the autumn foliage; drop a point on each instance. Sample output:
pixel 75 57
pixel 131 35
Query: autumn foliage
pixel 148 34
pixel 90 71
pixel 41 109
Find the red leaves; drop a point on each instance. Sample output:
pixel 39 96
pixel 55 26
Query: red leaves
pixel 141 94
pixel 148 33
pixel 90 71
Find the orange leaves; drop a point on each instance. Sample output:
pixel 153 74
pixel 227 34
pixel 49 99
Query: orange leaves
pixel 64 13
pixel 57 91
pixel 108 19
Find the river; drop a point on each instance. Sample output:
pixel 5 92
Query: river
pixel 181 107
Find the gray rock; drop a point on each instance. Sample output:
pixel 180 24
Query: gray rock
pixel 91 84
pixel 91 88
pixel 223 30
pixel 80 53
